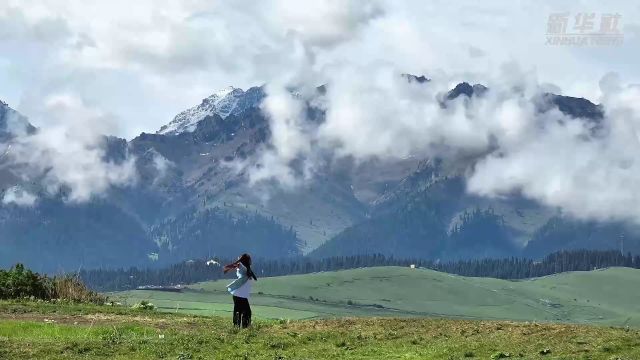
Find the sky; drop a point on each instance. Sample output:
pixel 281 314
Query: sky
pixel 140 63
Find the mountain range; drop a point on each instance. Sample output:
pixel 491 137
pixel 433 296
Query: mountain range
pixel 189 201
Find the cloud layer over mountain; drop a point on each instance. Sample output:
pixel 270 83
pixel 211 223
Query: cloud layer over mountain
pixel 159 56
pixel 68 155
pixel 147 61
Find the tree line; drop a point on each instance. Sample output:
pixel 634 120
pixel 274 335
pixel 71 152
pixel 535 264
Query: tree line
pixel 192 271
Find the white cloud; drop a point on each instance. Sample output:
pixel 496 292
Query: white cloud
pixel 69 154
pixel 562 165
pixel 589 171
pixel 147 60
pixel 17 195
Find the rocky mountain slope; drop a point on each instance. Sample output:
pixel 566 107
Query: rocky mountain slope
pixel 429 213
pixel 190 201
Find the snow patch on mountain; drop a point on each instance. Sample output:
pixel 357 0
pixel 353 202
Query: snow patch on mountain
pixel 19 196
pixel 224 102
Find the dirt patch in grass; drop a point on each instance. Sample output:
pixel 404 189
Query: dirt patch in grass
pixel 160 322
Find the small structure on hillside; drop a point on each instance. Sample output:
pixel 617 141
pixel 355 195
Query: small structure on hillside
pixel 176 288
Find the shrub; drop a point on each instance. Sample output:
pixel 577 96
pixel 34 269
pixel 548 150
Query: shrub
pixel 19 282
pixel 71 288
pixel 144 305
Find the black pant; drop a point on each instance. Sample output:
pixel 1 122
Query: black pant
pixel 241 312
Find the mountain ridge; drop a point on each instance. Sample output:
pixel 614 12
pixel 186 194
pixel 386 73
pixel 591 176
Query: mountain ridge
pixel 224 102
pixel 414 206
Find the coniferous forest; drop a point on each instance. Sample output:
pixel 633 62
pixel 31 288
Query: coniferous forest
pixel 506 268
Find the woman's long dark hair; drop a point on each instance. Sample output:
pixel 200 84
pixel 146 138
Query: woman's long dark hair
pixel 245 260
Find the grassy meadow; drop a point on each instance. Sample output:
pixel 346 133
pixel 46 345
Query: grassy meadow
pixel 59 331
pixel 605 297
pixel 374 313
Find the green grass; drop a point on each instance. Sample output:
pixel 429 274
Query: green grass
pixel 375 313
pixel 606 297
pixel 37 331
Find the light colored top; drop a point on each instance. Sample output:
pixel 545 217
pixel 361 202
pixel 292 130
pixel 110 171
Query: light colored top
pixel 241 287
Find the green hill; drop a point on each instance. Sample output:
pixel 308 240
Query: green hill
pixel 594 297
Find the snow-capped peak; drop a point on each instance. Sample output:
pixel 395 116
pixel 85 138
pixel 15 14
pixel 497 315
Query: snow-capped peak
pixel 223 102
pixel 224 92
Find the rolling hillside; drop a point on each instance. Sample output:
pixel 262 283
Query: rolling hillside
pixel 594 297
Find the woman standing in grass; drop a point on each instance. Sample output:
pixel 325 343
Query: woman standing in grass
pixel 241 289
